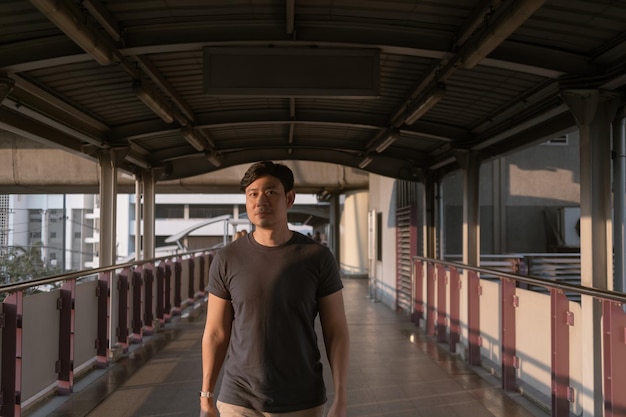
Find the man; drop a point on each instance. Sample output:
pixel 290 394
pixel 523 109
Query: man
pixel 265 290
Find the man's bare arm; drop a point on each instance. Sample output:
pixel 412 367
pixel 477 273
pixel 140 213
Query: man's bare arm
pixel 215 342
pixel 337 342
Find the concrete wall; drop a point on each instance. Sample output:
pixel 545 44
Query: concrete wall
pixel 517 192
pixel 383 273
pixel 354 235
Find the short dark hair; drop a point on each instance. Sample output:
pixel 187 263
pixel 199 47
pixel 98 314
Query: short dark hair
pixel 265 168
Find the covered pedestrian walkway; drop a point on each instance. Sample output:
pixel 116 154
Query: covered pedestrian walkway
pixel 395 371
pixel 158 92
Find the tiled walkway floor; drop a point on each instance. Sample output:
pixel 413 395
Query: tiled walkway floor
pixel 391 374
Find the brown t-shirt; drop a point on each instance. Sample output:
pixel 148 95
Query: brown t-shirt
pixel 273 361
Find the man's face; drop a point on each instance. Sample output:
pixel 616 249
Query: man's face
pixel 267 202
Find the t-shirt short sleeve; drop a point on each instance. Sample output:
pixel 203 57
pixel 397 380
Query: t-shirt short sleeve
pixel 217 277
pixel 330 279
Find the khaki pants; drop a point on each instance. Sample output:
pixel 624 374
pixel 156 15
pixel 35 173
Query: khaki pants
pixel 229 410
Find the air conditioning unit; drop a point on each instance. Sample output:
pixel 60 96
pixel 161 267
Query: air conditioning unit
pixel 570 226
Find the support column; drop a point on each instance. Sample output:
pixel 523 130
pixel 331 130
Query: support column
pixel 499 205
pixel 148 179
pixel 594 110
pixel 353 261
pixel 108 162
pixel 108 207
pixel 431 205
pixel 470 163
pixel 619 198
pixel 138 218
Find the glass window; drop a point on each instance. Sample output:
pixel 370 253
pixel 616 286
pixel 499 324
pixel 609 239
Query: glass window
pixel 170 211
pixel 207 211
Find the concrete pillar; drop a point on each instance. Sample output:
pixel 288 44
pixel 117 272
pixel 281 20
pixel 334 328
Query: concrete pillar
pixel 149 213
pixel 470 164
pixel 499 205
pixel 108 207
pixel 619 197
pixel 138 218
pixel 353 243
pixel 432 204
pixel 594 111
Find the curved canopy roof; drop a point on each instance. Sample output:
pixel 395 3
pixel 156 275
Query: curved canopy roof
pixel 400 88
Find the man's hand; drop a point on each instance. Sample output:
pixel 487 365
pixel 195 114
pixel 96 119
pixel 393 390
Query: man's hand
pixel 207 408
pixel 337 410
pixel 337 341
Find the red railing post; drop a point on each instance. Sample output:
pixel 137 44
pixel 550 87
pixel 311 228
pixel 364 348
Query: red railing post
pixel 168 291
pixel 418 291
pixel 136 323
pixel 12 307
pixel 178 269
pixel 65 367
pixel 455 309
pixel 430 299
pixel 441 303
pixel 561 321
pixel 148 315
pixel 191 289
pixel 509 303
pixel 122 311
pixel 614 329
pixel 474 292
pixel 160 293
pixel 202 260
pixel 102 340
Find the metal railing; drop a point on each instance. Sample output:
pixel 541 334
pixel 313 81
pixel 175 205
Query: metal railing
pixel 532 340
pixel 87 320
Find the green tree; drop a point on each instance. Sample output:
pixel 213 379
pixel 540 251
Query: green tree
pixel 22 264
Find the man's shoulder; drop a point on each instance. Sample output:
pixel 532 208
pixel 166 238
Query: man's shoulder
pixel 301 238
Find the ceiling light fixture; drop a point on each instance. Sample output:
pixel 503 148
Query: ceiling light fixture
pixel 390 138
pixel 190 134
pixel 365 162
pixel 213 158
pixel 421 107
pixel 141 163
pixel 154 102
pixel 71 21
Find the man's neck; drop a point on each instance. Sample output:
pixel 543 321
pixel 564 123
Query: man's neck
pixel 271 237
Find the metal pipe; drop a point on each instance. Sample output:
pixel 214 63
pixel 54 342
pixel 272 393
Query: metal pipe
pixel 529 279
pixel 619 196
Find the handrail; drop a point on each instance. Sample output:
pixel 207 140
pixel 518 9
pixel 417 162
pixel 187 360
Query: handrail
pixel 68 276
pixel 529 279
pixel 530 339
pixel 93 324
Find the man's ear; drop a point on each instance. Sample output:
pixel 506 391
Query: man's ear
pixel 291 198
